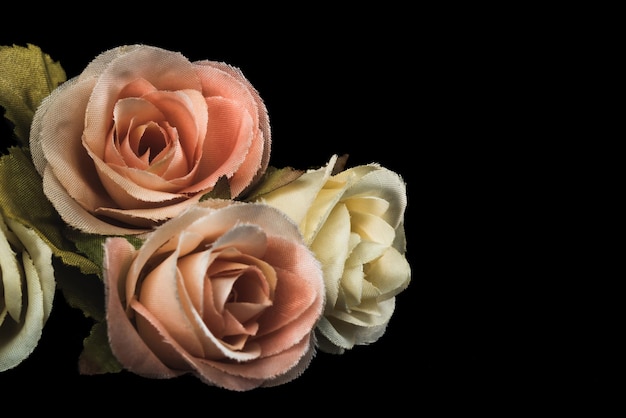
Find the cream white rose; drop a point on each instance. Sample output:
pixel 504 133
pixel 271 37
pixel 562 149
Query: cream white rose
pixel 27 287
pixel 353 221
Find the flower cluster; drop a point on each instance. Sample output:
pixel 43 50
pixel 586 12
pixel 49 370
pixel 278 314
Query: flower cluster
pixel 142 189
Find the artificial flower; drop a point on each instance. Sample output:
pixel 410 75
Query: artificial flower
pixel 27 288
pixel 353 220
pixel 142 133
pixel 146 179
pixel 230 294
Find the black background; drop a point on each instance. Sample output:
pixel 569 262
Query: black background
pixel 353 83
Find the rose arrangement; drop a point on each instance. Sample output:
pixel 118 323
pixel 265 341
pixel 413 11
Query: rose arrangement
pixel 142 190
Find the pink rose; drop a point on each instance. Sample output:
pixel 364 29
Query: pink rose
pixel 231 295
pixel 142 133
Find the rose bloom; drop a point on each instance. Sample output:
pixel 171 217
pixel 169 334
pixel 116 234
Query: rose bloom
pixel 230 294
pixel 143 133
pixel 27 287
pixel 354 223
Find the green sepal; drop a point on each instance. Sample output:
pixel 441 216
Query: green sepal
pixel 27 76
pixel 272 179
pixel 97 357
pixel 92 245
pixel 220 191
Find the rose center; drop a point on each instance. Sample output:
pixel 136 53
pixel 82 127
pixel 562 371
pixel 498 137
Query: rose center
pixel 152 141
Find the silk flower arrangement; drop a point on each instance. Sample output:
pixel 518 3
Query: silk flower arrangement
pixel 142 189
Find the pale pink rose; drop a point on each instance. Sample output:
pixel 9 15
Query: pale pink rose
pixel 142 133
pixel 231 295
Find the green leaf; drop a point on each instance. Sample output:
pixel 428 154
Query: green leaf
pixel 220 191
pixel 22 198
pixel 81 291
pixel 272 179
pixel 92 245
pixel 97 357
pixel 27 76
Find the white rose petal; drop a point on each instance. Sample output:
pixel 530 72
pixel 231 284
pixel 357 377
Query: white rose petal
pixel 20 331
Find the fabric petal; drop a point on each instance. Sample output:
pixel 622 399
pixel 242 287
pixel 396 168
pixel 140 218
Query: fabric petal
pixel 166 70
pixel 11 276
pixel 23 342
pixel 126 344
pixel 295 198
pixel 41 256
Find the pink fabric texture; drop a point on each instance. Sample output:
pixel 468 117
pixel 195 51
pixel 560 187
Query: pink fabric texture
pixel 231 295
pixel 156 133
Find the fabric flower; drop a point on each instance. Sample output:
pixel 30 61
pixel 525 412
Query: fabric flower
pixel 230 294
pixel 354 223
pixel 27 288
pixel 142 133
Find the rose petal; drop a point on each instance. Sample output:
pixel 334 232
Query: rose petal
pixel 257 159
pixel 296 198
pixel 10 273
pixel 121 148
pixel 193 268
pixel 381 183
pixel 295 309
pixel 378 314
pixel 186 110
pixel 367 204
pixel 70 164
pixel 29 328
pixel 391 273
pixel 163 297
pixel 143 219
pixel 126 193
pixel 332 247
pixel 76 215
pixel 160 341
pixel 226 146
pixel 41 255
pixel 245 375
pixel 127 346
pixel 165 70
